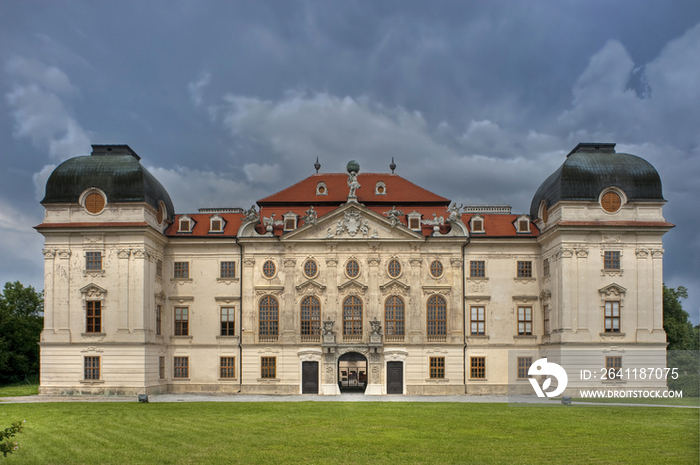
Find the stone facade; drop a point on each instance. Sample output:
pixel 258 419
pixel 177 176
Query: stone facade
pixel 271 300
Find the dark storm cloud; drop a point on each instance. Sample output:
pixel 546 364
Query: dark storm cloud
pixel 477 101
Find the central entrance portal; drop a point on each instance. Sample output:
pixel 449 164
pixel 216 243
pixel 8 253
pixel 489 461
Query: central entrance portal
pixel 352 372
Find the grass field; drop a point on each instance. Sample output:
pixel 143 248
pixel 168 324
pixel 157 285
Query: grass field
pixel 20 389
pixel 347 432
pixel 687 401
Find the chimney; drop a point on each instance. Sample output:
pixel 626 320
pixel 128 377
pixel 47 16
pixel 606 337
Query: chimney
pixel 593 147
pixel 106 150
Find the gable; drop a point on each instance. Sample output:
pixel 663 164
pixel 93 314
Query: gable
pixel 352 221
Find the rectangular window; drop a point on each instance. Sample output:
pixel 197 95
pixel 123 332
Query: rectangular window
pixel 613 365
pixel 227 321
pixel 93 260
pixel 268 367
pixel 159 268
pixel 228 367
pixel 478 321
pixel 478 368
pixel 477 269
pixel 477 226
pixel 414 223
pixel 181 367
pixel 612 260
pixel 545 311
pixel 161 367
pixel 159 317
pixel 523 366
pixel 525 321
pixel 290 224
pixel 94 316
pixel 228 270
pixel 216 225
pixel 524 269
pixel 92 368
pixel 184 226
pixel 182 321
pixel 437 367
pixel 545 267
pixel 182 269
pixel 612 317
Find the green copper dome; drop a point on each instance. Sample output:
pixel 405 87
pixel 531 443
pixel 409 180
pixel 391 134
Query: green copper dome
pixel 591 167
pixel 353 166
pixel 116 170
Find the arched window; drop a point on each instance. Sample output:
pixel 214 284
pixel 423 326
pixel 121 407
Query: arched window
pixel 352 316
pixel 394 316
pixel 437 315
pixel 310 316
pixel 269 316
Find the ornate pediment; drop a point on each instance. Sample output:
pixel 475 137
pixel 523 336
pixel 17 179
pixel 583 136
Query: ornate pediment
pixel 310 284
pixel 351 222
pixel 352 284
pixel 93 291
pixel 394 287
pixel 613 289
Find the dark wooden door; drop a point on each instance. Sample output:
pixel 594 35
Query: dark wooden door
pixel 394 378
pixel 309 377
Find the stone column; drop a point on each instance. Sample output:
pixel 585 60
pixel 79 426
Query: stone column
pixel 584 303
pixel 414 316
pixel 288 309
pixel 49 314
pixel 62 295
pixel 122 303
pixel 457 304
pixel 657 284
pixel 567 287
pixel 248 300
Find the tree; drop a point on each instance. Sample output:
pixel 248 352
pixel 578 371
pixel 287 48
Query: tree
pixel 21 322
pixel 680 333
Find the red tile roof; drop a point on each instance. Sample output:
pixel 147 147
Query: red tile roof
pixel 399 191
pixel 496 225
pixel 232 221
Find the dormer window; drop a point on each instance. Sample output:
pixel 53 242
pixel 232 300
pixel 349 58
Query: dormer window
pixel 414 221
pixel 321 188
pixel 290 221
pixel 216 224
pixel 380 188
pixel 185 224
pixel 522 224
pixel 93 200
pixel 477 224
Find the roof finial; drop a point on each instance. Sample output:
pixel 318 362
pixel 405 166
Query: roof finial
pixel 392 166
pixel 317 165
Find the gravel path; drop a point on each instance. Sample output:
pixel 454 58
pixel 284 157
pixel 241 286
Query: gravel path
pixel 304 398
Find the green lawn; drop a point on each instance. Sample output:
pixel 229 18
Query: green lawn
pixel 19 389
pixel 691 401
pixel 347 432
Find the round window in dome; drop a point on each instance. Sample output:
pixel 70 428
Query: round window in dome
pixel 94 202
pixel 611 202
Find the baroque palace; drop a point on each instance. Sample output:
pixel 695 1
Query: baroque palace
pixel 345 281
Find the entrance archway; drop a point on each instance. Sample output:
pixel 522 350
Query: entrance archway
pixel 352 372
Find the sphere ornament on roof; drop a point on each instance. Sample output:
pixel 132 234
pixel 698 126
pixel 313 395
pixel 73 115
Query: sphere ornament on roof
pixel 353 166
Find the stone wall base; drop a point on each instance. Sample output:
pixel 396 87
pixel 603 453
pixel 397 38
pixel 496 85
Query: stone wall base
pixel 429 390
pixel 488 389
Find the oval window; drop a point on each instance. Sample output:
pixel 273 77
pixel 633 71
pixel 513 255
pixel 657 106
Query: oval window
pixel 310 268
pixel 94 202
pixel 394 268
pixel 611 202
pixel 352 269
pixel 268 269
pixel 436 269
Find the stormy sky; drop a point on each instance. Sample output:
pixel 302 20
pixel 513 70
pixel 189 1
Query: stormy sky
pixel 227 102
